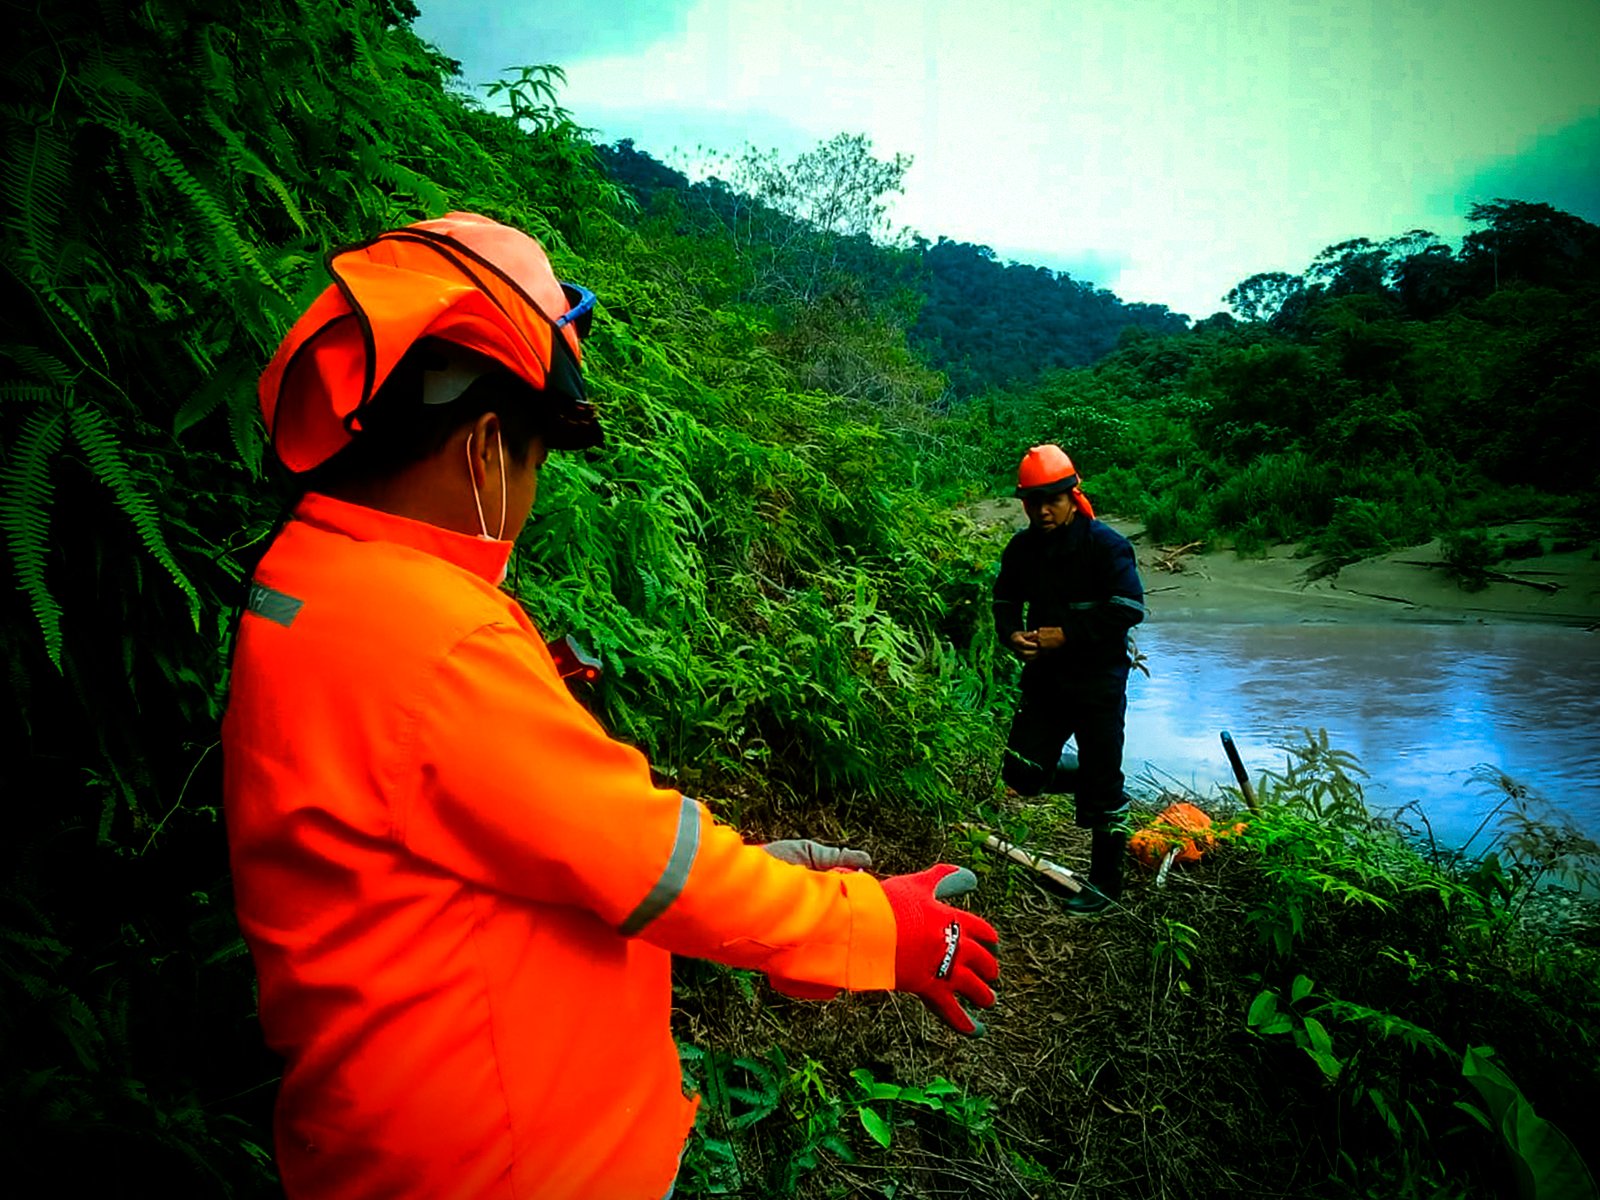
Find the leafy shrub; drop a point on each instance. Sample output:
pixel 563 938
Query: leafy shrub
pixel 1120 491
pixel 1527 547
pixel 1385 964
pixel 1278 497
pixel 1179 514
pixel 1469 553
pixel 1357 529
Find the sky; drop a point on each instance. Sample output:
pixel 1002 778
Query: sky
pixel 1164 149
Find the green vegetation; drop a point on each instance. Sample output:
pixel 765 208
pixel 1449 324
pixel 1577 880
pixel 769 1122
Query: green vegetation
pixel 793 623
pixel 1308 1012
pixel 1395 393
pixel 982 322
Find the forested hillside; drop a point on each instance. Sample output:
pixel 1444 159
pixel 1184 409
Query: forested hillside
pixel 984 323
pixel 1394 392
pixel 794 622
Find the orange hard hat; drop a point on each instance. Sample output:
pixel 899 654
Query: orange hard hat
pixel 1045 470
pixel 461 278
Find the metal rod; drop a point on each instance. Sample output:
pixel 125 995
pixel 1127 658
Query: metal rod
pixel 1239 773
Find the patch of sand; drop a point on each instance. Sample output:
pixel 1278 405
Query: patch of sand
pixel 1219 585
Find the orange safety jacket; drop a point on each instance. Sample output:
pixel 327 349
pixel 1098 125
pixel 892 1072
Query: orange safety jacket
pixel 461 896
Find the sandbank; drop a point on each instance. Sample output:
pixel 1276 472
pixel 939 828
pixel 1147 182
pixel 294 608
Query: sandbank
pixel 1408 585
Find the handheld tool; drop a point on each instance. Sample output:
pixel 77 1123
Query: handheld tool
pixel 1054 872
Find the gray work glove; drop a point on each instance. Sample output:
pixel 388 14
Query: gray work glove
pixel 803 852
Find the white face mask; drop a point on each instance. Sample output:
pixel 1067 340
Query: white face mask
pixel 483 526
pixel 472 478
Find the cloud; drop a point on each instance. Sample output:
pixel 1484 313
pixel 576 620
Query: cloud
pixel 1165 149
pixel 1096 267
pixel 488 37
pixel 1561 169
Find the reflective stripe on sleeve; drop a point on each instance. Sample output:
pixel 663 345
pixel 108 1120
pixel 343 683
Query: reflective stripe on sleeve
pixel 272 604
pixel 673 876
pixel 1133 604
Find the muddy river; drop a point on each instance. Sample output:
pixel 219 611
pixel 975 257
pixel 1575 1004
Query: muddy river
pixel 1422 707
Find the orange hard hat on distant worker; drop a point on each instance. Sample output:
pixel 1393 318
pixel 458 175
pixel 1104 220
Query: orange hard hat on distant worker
pixel 460 278
pixel 1046 469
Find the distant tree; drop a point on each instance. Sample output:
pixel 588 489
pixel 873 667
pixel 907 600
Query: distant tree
pixel 1428 280
pixel 1219 323
pixel 1262 296
pixel 1408 244
pixel 809 223
pixel 839 187
pixel 1358 266
pixel 1530 243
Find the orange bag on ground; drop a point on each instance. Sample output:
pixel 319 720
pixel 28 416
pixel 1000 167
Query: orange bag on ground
pixel 1150 844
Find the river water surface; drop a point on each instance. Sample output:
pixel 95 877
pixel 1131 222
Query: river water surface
pixel 1420 705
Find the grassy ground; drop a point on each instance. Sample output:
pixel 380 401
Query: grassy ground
pixel 1121 1058
pixel 1132 1054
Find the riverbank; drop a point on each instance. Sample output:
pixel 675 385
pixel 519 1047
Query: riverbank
pixel 1197 583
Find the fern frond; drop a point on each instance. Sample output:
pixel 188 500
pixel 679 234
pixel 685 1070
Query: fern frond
pixel 246 160
pixel 161 156
pixel 93 432
pixel 212 67
pixel 403 179
pixel 104 76
pixel 72 1017
pixel 25 497
pixel 244 425
pixel 56 302
pixel 357 120
pixel 35 184
pixel 234 949
pixel 205 400
pixel 40 363
pixel 35 179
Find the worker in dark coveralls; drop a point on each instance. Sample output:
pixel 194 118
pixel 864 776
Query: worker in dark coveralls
pixel 1067 594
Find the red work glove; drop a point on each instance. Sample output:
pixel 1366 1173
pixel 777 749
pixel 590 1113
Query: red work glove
pixel 942 954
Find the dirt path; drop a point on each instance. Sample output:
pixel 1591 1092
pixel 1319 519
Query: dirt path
pixel 1219 585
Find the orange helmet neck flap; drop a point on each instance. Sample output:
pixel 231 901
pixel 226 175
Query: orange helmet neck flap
pixel 461 278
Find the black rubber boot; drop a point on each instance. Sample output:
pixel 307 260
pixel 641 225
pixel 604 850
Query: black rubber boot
pixel 1107 850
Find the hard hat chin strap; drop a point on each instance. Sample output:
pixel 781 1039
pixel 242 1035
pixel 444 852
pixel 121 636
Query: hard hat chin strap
pixel 472 478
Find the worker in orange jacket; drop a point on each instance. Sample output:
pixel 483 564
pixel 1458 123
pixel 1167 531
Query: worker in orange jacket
pixel 461 896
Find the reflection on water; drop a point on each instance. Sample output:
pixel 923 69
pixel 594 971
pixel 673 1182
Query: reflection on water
pixel 1419 705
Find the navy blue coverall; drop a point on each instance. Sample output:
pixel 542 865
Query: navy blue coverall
pixel 1082 578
